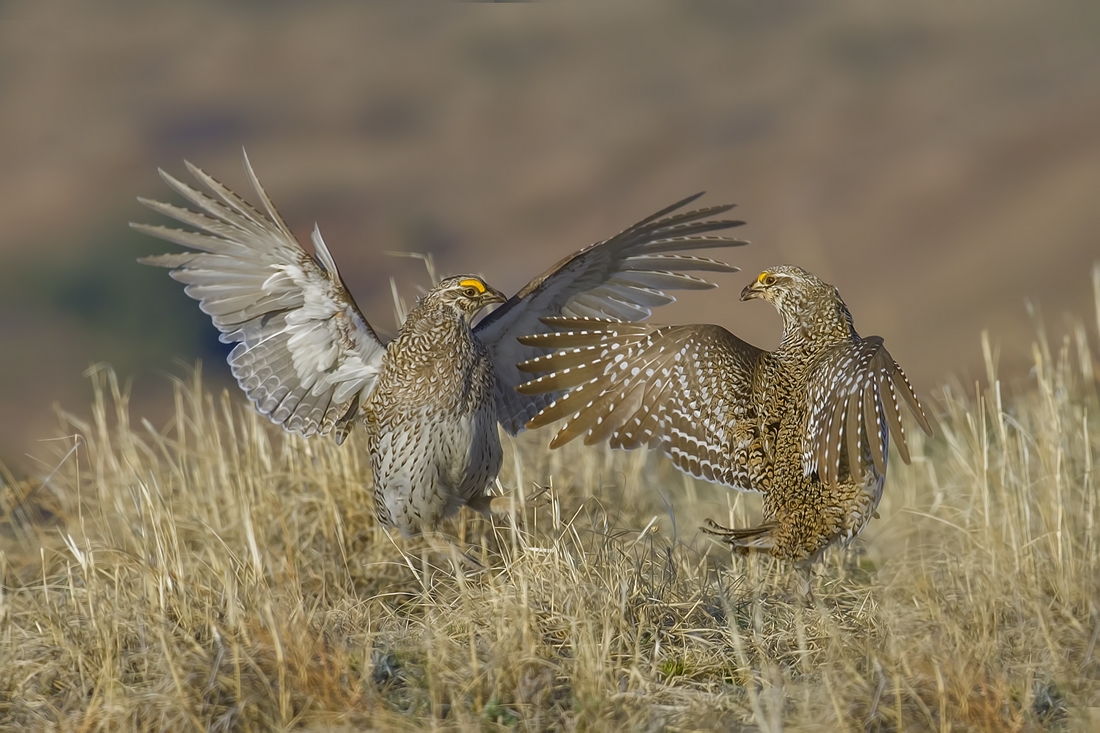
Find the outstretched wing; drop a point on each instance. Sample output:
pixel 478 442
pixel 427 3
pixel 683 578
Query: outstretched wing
pixel 305 355
pixel 622 278
pixel 855 394
pixel 685 389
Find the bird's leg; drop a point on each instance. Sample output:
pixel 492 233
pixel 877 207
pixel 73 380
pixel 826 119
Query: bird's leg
pixel 465 559
pixel 803 582
pixel 483 504
pixel 541 497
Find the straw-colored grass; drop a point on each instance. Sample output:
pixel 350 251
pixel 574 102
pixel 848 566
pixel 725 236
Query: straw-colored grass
pixel 217 574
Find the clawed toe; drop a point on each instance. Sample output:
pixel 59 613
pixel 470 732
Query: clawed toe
pixel 510 503
pixel 540 497
pixel 712 527
pixel 743 539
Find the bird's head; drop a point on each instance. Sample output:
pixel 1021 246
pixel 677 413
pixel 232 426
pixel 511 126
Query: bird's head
pixel 806 302
pixel 786 287
pixel 467 294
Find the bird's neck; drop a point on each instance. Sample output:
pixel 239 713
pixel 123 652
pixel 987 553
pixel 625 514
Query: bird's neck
pixel 436 323
pixel 808 332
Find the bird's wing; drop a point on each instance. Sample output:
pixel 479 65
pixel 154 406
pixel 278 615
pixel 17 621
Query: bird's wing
pixel 855 394
pixel 305 355
pixel 623 278
pixel 686 389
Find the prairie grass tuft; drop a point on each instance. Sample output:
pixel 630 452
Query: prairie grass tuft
pixel 217 574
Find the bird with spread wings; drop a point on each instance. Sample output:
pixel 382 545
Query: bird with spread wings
pixel 807 425
pixel 431 398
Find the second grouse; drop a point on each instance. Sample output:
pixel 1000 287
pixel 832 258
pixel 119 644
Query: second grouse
pixel 807 425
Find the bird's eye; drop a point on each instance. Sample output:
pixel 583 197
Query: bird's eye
pixel 471 292
pixel 768 280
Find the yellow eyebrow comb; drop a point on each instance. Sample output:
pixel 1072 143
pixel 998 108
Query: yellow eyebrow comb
pixel 473 283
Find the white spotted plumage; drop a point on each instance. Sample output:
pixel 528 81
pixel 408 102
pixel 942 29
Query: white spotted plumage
pixel 808 425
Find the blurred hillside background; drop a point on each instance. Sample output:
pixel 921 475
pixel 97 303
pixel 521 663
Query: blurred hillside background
pixel 938 162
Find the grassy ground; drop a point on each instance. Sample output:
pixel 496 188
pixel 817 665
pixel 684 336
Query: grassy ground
pixel 218 574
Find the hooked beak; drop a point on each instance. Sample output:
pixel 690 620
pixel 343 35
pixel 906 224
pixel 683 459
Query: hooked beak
pixel 490 300
pixel 752 291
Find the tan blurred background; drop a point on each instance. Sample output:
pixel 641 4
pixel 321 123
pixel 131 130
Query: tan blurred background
pixel 938 162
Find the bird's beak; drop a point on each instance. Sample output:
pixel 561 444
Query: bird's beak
pixel 752 291
pixel 490 300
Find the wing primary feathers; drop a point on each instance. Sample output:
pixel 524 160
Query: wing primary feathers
pixel 187 216
pixel 669 209
pixel 899 379
pixel 671 226
pixel 272 212
pixel 571 407
pixel 831 439
pixel 628 404
pixel 855 454
pixel 323 255
pixel 229 200
pixel 681 243
pixel 566 358
pixel 304 353
pixel 890 407
pixel 874 421
pixel 668 262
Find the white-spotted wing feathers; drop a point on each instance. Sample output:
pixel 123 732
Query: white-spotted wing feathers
pixel 621 278
pixel 854 400
pixel 686 389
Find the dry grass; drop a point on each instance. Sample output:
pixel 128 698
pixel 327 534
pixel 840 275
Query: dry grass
pixel 218 574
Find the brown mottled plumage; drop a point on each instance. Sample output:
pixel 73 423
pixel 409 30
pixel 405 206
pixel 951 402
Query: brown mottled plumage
pixel 431 398
pixel 431 419
pixel 807 425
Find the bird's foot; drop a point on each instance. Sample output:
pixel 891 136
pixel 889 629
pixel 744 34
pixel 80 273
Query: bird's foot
pixel 743 540
pixel 712 527
pixel 541 497
pixel 509 504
